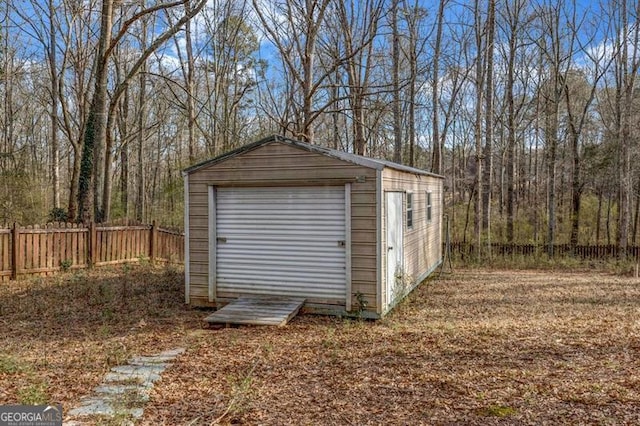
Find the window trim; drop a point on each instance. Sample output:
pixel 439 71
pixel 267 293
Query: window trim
pixel 428 214
pixel 409 209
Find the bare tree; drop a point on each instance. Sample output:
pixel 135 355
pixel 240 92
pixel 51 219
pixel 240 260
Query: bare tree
pixel 580 92
pixel 626 65
pixel 435 95
pixel 479 83
pixel 359 27
pixel 557 50
pixel 515 22
pixel 395 83
pixel 100 109
pixel 414 49
pixel 489 123
pixel 296 42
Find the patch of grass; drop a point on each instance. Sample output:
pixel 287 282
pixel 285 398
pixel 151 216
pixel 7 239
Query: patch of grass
pixel 240 393
pixel 66 264
pixel 130 399
pixel 133 381
pixel 329 340
pixel 10 365
pixel 121 418
pixel 34 394
pixel 116 354
pixel 107 314
pixel 361 304
pixel 498 411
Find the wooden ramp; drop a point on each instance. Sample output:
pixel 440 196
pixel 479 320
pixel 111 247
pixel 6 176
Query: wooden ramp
pixel 257 311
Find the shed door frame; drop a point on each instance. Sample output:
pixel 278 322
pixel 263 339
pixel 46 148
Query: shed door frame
pixel 394 250
pixel 213 235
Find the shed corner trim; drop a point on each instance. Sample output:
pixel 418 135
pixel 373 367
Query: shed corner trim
pixel 187 269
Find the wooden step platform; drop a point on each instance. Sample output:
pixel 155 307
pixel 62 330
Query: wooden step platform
pixel 257 311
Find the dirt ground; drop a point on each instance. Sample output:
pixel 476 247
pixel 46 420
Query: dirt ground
pixel 474 347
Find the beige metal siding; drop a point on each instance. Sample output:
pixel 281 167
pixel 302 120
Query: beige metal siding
pixel 198 243
pixel 278 164
pixel 187 276
pixel 423 242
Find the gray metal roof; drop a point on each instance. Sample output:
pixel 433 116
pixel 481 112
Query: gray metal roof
pixel 360 160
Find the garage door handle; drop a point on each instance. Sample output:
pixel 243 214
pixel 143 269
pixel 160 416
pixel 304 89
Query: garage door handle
pixel 390 248
pixel 221 239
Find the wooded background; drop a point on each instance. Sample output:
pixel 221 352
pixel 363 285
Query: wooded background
pixel 528 108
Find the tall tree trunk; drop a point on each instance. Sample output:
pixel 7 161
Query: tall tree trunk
pixel 536 176
pixel 635 220
pixel 576 190
pixel 551 136
pixel 608 222
pixel 395 72
pixel 124 155
pixel 599 215
pixel 107 181
pixel 96 121
pixel 511 130
pixel 72 209
pixel 436 164
pixel 140 199
pixel 413 18
pixel 53 67
pixel 335 114
pixel 624 105
pixel 479 83
pixel 411 117
pixel 124 180
pixel 191 123
pixel 487 171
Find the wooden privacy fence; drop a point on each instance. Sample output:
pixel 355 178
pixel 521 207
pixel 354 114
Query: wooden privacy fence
pixel 584 252
pixel 42 250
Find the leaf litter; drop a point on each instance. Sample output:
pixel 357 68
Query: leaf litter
pixel 475 347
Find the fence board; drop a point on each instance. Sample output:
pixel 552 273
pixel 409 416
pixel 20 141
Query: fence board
pixel 123 254
pixel 28 254
pixel 5 254
pixel 56 250
pixel 42 246
pixel 131 244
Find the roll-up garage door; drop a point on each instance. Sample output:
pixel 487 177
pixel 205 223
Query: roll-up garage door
pixel 287 241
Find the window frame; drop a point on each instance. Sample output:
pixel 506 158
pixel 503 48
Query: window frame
pixel 428 213
pixel 409 208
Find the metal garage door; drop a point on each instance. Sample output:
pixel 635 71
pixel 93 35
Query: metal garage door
pixel 286 241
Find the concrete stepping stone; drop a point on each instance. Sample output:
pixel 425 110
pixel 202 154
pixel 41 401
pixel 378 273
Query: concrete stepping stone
pixel 125 388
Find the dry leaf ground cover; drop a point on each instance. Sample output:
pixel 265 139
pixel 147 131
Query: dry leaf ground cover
pixel 475 347
pixel 60 335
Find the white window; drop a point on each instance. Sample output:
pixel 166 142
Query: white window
pixel 409 210
pixel 428 207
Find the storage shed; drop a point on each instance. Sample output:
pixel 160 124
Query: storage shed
pixel 279 217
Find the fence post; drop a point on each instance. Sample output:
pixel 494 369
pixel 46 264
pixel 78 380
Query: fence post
pixel 93 244
pixel 16 258
pixel 153 242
